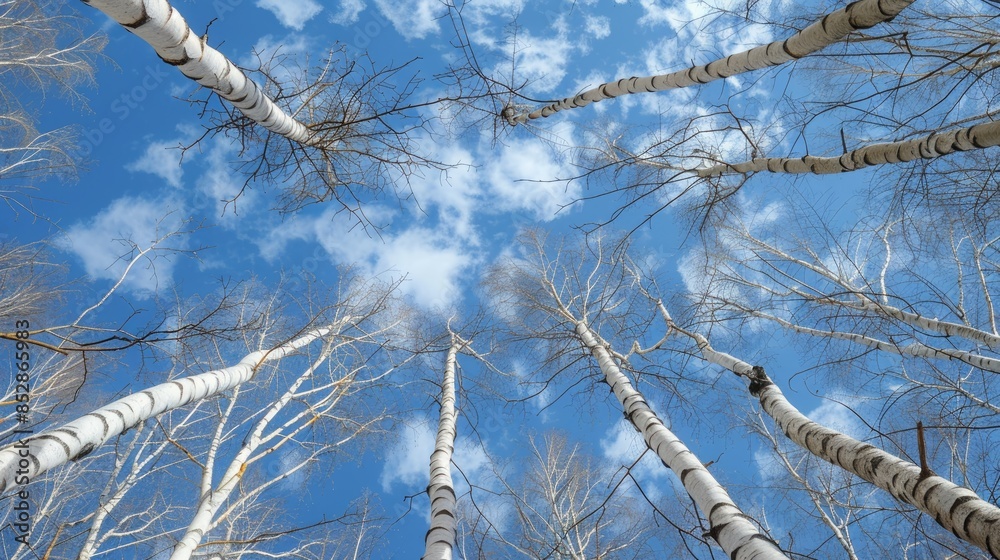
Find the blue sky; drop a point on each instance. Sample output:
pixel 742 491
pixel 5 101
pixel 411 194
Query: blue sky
pixel 136 187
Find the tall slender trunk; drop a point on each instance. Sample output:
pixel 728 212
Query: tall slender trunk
pixel 730 527
pixel 163 27
pixel 210 502
pixel 821 34
pixel 440 539
pixel 957 509
pixel 30 457
pixel 938 144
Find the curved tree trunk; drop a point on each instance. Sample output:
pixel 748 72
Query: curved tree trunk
pixel 957 509
pixel 210 502
pixel 25 460
pixel 163 27
pixel 730 527
pixel 821 34
pixel 935 145
pixel 440 539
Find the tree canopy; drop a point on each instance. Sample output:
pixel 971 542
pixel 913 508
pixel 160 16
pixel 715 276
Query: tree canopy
pixel 313 279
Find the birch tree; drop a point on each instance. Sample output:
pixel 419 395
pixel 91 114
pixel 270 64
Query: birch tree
pixel 317 401
pixel 80 437
pixel 897 311
pixel 440 539
pixel 831 28
pixel 43 49
pixel 290 421
pixel 914 94
pixel 957 509
pixel 330 133
pixel 572 297
pixel 566 505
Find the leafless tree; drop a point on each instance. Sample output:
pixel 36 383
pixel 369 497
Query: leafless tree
pixel 292 419
pixel 572 296
pixel 566 505
pixel 41 48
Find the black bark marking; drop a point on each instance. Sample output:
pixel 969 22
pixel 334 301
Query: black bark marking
pixel 684 474
pixel 62 443
pixel 143 20
pixel 107 428
pixel 784 47
pixel 84 451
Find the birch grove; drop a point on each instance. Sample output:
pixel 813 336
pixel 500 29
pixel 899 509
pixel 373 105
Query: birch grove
pixel 781 363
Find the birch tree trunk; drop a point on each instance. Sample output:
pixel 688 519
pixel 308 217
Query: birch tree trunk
pixel 440 539
pixel 957 509
pixel 163 27
pixel 980 136
pixel 730 527
pixel 831 28
pixel 211 500
pixel 30 457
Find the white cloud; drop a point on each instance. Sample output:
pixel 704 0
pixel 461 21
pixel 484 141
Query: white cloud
pixel 839 417
pixel 530 176
pixel 598 26
pixel 271 48
pixel 349 12
pixel 433 260
pixel 455 193
pixel 407 461
pixel 162 159
pixel 111 239
pixel 413 19
pixel 218 186
pixel 622 444
pixel 541 62
pixel 292 13
pixel 768 465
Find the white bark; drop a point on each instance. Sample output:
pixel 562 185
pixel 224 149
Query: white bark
pixel 915 348
pixel 163 27
pixel 938 144
pixel 210 502
pixel 78 438
pixel 730 527
pixel 440 539
pixel 118 487
pixel 821 34
pixel 957 509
